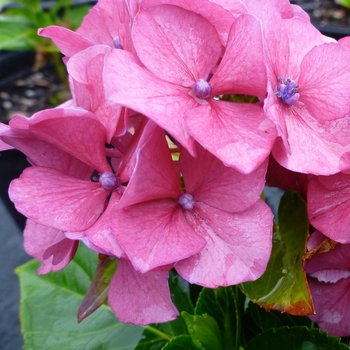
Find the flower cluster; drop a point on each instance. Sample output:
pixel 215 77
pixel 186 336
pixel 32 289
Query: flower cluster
pixel 180 114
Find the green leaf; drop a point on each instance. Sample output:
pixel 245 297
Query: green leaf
pixel 182 342
pixel 225 305
pixel 295 338
pixel 204 331
pixel 345 3
pixel 283 286
pixel 153 338
pixel 49 305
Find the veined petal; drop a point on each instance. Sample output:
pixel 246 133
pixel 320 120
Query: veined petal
pixel 242 69
pixel 176 45
pixel 51 198
pixel 238 246
pixel 154 234
pixel 140 298
pixel 239 134
pixel 209 181
pixel 131 85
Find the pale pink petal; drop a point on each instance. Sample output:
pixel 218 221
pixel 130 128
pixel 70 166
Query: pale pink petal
pixel 3 145
pixel 131 85
pixel 139 298
pixel 324 81
pixel 76 132
pixel 238 246
pixel 66 40
pixel 242 69
pixel 148 233
pixel 214 13
pixel 49 197
pixel 208 180
pixel 239 134
pixel 85 69
pixel 49 246
pixel 328 200
pixel 171 51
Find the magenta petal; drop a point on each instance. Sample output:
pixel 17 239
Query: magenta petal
pixel 139 298
pixel 3 145
pixel 63 128
pixel 155 233
pixel 238 246
pixel 171 51
pixel 131 85
pixel 328 200
pixel 242 69
pixel 208 180
pixel 48 245
pixel 49 197
pixel 67 41
pixel 239 134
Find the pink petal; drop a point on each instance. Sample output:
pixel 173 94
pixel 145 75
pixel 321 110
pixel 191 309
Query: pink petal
pixel 214 13
pixel 154 175
pixel 63 128
pixel 171 51
pixel 323 81
pixel 238 134
pixel 50 198
pixel 242 69
pixel 238 246
pixel 66 40
pixel 139 298
pixel 328 200
pixel 331 303
pixel 48 245
pixel 130 85
pixel 154 234
pixel 208 180
pixel 3 145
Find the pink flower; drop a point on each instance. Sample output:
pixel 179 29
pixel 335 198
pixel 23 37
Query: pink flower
pixel 183 77
pixel 329 284
pixel 218 232
pixel 307 75
pixel 3 145
pixel 328 201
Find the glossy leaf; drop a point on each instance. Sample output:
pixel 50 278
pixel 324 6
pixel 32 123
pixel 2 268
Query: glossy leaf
pixel 49 305
pixel 283 286
pixel 204 331
pixel 98 290
pixel 295 338
pixel 153 338
pixel 225 305
pixel 182 342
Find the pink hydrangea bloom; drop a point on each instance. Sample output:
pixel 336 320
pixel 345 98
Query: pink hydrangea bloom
pixel 216 233
pixel 329 282
pixel 184 75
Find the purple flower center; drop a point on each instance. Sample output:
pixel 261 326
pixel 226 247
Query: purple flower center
pixel 287 91
pixel 187 201
pixel 117 44
pixel 108 181
pixel 201 88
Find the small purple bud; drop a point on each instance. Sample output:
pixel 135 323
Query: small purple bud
pixel 287 91
pixel 108 181
pixel 201 89
pixel 117 44
pixel 187 201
